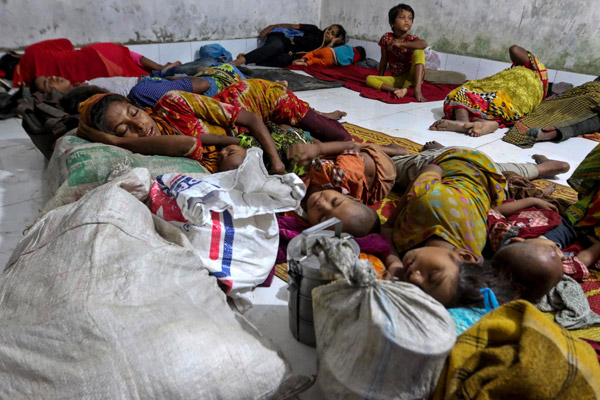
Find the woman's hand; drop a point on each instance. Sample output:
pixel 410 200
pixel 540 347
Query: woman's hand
pixel 394 268
pixel 544 205
pixel 303 154
pixel 277 166
pixel 335 42
pixel 94 135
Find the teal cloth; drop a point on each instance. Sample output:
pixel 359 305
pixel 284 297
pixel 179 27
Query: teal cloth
pixel 464 317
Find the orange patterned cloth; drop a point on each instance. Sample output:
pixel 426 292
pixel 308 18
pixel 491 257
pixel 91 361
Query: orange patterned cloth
pixel 346 172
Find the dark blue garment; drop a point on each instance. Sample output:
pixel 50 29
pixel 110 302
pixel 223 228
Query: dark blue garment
pixel 563 235
pixel 147 92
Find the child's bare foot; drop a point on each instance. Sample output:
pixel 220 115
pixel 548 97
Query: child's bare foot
pixel 432 145
pixel 393 149
pixel 400 93
pixel 548 190
pixel 172 64
pixel 448 125
pixel 337 114
pixel 239 60
pixel 548 168
pixel 283 83
pixel 419 96
pixel 480 128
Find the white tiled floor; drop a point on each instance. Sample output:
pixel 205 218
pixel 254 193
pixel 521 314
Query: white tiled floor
pixel 23 191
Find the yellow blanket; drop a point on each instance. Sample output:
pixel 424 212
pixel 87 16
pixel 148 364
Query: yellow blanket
pixel 515 352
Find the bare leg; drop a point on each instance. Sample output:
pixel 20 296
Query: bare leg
pixel 393 149
pixel 549 168
pixel 432 145
pixel 398 92
pixel 336 115
pixel 419 74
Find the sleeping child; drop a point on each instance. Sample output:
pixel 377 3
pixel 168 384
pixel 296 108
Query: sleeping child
pixel 330 56
pixel 536 246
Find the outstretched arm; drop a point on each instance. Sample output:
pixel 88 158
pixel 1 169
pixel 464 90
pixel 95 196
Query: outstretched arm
pixel 172 145
pixel 512 207
pixel 416 45
pixel 590 255
pixel 260 132
pixel 304 153
pixel 518 55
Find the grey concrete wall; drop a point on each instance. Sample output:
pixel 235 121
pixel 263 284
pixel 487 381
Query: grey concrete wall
pixel 563 34
pixel 23 22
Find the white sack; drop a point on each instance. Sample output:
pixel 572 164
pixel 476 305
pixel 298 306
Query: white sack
pixel 103 300
pixel 376 339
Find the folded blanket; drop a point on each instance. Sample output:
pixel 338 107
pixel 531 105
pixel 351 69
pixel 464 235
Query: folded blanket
pixel 515 352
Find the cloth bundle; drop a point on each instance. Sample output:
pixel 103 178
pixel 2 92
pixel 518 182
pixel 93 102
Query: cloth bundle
pixel 376 339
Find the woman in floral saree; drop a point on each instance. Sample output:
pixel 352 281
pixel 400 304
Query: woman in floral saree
pixel 481 106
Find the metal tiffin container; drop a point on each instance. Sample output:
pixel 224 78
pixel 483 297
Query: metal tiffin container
pixel 305 273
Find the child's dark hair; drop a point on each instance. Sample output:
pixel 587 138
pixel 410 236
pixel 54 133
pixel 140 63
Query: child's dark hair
pixel 341 33
pixel 70 101
pixel 362 54
pixel 33 87
pixel 472 277
pixel 8 63
pixel 393 13
pixel 98 112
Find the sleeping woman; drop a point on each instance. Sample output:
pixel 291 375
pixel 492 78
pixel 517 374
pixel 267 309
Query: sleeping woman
pixel 182 124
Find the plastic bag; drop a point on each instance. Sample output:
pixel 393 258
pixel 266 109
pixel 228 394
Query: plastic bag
pixel 229 218
pixel 432 59
pixel 376 339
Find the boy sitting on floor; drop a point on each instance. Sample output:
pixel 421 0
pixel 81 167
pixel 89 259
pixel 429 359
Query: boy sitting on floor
pixel 330 56
pixel 535 245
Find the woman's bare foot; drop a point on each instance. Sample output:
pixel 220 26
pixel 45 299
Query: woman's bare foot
pixel 480 128
pixel 400 93
pixel 300 61
pixel 283 83
pixel 393 149
pixel 548 168
pixel 548 190
pixel 239 60
pixel 337 114
pixel 432 145
pixel 172 64
pixel 448 125
pixel 419 96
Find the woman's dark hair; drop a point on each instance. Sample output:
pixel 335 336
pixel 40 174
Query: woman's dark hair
pixel 472 277
pixel 341 33
pixel 8 62
pixel 70 101
pixel 393 13
pixel 98 112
